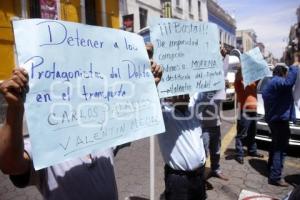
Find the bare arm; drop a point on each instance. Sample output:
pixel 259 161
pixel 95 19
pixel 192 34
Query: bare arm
pixel 13 159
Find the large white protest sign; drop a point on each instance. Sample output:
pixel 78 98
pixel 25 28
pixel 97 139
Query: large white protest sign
pixel 91 88
pixel 189 53
pixel 254 67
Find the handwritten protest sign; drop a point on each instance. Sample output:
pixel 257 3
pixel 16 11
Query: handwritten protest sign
pixel 254 67
pixel 189 53
pixel 91 88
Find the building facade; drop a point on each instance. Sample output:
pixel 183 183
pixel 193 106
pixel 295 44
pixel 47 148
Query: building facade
pixel 261 47
pixel 293 41
pixel 144 11
pixel 94 12
pixel 246 40
pixel 225 22
pixel 190 10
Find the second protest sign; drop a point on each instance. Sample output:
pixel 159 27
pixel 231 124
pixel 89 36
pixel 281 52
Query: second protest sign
pixel 189 53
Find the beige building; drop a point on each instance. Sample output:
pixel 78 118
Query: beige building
pixel 190 10
pixel 246 40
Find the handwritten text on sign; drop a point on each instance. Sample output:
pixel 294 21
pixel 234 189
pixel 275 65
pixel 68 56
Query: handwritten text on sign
pixel 189 53
pixel 91 88
pixel 254 67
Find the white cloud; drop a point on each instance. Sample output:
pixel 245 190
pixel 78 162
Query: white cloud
pixel 271 28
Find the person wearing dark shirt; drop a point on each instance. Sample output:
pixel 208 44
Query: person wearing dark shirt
pixel 279 111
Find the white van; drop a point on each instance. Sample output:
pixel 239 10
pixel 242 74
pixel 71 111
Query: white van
pixel 263 131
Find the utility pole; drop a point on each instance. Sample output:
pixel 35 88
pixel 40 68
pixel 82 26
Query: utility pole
pixel 167 13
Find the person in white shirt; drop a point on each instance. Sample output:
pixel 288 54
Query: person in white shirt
pixel 183 151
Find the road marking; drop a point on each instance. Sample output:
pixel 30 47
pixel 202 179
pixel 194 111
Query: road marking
pixel 291 164
pixel 227 139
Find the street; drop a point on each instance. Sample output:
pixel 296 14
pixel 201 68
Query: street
pixel 133 179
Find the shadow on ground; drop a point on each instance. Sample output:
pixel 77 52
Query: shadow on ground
pixel 229 154
pixel 261 166
pixel 293 179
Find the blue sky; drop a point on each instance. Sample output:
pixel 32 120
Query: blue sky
pixel 271 20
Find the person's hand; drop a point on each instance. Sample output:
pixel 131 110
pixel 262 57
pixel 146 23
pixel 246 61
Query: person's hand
pixel 156 71
pixel 14 89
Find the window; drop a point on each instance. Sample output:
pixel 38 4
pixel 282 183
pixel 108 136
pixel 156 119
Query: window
pixel 190 6
pixel 179 6
pixel 90 12
pixel 199 11
pixel 34 9
pixel 239 41
pixel 143 17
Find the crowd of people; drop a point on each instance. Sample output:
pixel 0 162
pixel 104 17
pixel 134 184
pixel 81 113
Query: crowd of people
pixel 184 146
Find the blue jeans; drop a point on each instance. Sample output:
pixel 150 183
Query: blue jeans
pixel 212 145
pixel 246 130
pixel 280 132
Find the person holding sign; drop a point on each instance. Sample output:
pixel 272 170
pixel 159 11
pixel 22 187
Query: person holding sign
pixel 183 151
pixel 182 148
pixel 246 124
pixel 279 111
pixel 90 177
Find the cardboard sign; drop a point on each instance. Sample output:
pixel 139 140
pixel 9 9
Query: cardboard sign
pixel 91 88
pixel 190 55
pixel 254 67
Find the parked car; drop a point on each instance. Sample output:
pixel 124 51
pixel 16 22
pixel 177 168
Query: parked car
pixel 233 63
pixel 229 89
pixel 263 131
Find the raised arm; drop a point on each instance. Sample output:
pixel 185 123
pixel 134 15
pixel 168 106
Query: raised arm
pixel 13 159
pixel 290 80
